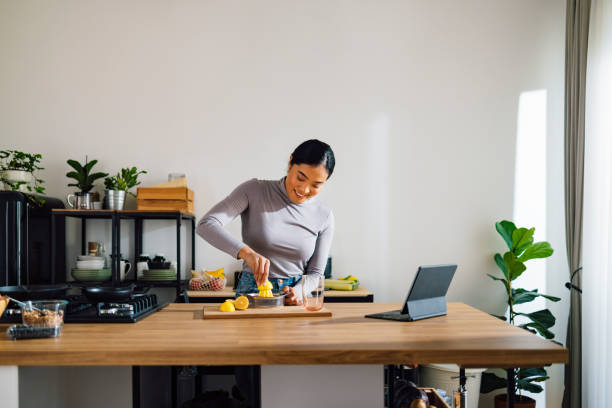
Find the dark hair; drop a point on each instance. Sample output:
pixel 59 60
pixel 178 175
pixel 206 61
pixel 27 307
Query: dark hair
pixel 314 152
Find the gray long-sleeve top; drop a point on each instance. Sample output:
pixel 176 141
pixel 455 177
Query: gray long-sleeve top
pixel 296 238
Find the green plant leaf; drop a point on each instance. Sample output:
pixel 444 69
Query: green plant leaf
pixel 521 239
pixel 523 296
pixel 505 229
pixel 514 266
pixel 89 165
pixel 543 317
pixel 73 174
pixel 491 382
pixel 502 265
pixel 537 250
pixel 505 282
pixel 537 328
pixel 529 386
pixel 525 373
pixel 75 165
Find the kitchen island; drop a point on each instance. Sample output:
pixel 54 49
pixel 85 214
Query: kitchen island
pixel 178 335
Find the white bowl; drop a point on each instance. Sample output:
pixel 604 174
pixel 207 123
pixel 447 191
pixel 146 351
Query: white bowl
pixel 89 258
pixel 90 264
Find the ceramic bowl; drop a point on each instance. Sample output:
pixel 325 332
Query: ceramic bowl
pixel 97 264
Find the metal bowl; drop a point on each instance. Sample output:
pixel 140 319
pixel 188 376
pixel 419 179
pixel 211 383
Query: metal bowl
pixel 275 301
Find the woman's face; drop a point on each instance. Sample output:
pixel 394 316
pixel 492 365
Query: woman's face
pixel 304 181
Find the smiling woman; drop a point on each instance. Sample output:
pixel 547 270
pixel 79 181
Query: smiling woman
pixel 286 231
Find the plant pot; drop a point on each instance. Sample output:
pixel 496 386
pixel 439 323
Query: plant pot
pixel 114 199
pixel 519 401
pixel 15 176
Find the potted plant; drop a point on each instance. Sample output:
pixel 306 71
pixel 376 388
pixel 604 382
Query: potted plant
pixel 17 171
pixel 84 180
pixel 120 184
pixel 521 248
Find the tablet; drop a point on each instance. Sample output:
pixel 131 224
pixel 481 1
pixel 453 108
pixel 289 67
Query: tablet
pixel 426 297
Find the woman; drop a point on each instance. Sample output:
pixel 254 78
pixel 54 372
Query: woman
pixel 286 232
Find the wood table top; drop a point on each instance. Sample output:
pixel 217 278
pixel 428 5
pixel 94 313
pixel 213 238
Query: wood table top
pixel 178 335
pixel 228 292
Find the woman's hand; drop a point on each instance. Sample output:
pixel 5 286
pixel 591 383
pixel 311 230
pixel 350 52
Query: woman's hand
pixel 260 265
pixel 292 297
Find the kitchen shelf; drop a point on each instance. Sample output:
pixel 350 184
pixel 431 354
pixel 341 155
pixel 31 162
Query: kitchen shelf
pixel 138 216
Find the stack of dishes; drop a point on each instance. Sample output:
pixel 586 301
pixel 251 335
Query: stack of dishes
pixel 159 274
pixel 90 268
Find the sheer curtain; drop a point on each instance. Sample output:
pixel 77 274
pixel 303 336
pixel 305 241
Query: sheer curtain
pixel 597 238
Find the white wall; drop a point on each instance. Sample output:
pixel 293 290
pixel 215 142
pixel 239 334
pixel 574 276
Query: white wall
pixel 418 99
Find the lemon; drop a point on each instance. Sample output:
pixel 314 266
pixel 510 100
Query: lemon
pixel 241 303
pixel 227 306
pixel 219 273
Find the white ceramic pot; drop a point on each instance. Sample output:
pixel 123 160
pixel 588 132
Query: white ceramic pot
pixel 15 176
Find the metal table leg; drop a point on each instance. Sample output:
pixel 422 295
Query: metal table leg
pixel 193 244
pixel 53 247
pixel 178 255
pixel 511 386
pixel 84 236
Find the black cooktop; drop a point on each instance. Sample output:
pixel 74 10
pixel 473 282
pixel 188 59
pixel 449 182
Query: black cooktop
pixel 81 310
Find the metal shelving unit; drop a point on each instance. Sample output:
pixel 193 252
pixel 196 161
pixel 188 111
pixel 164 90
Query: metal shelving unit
pixel 138 216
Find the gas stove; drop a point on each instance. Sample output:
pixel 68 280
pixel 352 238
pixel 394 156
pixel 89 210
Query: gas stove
pixel 81 310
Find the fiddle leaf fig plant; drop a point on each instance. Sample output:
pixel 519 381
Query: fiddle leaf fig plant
pixel 521 248
pixel 124 180
pixel 84 179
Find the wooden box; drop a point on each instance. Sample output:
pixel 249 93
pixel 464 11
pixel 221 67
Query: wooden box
pixel 165 193
pixel 165 199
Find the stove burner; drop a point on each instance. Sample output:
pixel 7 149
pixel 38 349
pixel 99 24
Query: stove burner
pixel 80 310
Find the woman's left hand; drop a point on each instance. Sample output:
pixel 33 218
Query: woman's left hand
pixel 292 297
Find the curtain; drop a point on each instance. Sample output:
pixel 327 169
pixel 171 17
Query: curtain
pixel 576 41
pixel 597 227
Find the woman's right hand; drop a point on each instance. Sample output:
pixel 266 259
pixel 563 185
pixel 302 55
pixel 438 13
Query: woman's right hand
pixel 260 265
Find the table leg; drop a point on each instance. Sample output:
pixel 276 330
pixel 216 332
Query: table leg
pixel 510 390
pixel 178 255
pixel 462 389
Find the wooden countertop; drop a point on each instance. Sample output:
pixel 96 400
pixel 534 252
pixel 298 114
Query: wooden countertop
pixel 228 292
pixel 177 335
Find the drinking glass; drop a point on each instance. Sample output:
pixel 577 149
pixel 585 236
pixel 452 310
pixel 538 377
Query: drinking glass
pixel 313 288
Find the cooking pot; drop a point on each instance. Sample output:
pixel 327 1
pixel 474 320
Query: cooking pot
pixel 112 293
pixel 35 292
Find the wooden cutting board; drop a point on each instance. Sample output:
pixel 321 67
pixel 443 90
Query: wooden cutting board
pixel 212 312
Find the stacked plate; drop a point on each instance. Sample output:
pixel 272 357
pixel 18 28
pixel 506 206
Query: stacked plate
pixel 90 262
pixel 90 268
pixel 159 274
pixel 91 275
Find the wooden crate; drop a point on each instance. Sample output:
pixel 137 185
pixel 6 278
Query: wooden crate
pixel 165 199
pixel 165 193
pixel 165 205
pixel 435 398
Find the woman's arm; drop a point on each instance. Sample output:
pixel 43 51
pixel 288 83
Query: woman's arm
pixel 212 226
pixel 318 260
